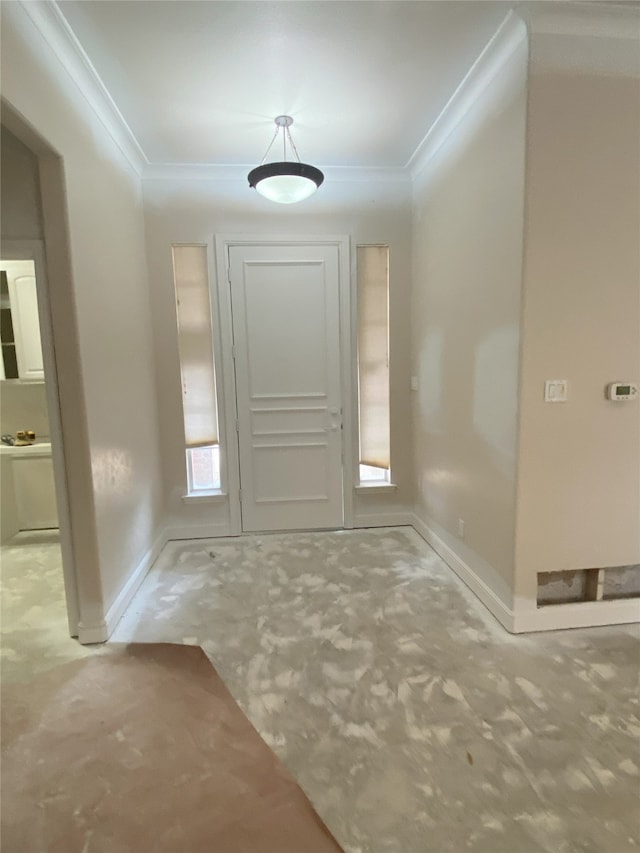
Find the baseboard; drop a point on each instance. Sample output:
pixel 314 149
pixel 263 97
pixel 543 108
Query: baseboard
pixel 197 531
pixel 467 575
pixel 581 614
pixel 525 617
pixel 383 519
pixel 90 634
pixel 101 631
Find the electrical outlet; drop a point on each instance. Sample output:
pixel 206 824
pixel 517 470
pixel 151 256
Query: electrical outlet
pixel 461 528
pixel 556 391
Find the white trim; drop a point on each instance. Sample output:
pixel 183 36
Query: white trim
pixel 100 633
pixel 352 439
pixel 581 614
pixel 474 88
pixel 89 635
pixel 221 326
pixel 374 487
pixel 526 616
pixel 347 388
pixel 58 35
pixel 383 519
pixel 39 450
pixel 279 240
pixel 198 531
pixel 588 20
pixel 215 496
pixel 226 384
pixel 487 596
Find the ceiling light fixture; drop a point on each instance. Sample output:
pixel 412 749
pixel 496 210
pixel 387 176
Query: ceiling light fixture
pixel 288 181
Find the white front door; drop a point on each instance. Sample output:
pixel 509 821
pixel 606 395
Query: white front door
pixel 286 329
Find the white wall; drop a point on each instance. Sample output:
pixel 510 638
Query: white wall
pixel 467 248
pixel 527 255
pixel 112 444
pixel 194 211
pixel 579 469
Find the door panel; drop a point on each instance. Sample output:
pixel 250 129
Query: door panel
pixel 285 302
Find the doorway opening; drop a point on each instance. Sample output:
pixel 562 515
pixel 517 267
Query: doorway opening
pixel 40 604
pixel 28 490
pixel 39 597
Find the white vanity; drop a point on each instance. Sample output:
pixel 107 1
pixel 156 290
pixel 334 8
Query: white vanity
pixel 27 489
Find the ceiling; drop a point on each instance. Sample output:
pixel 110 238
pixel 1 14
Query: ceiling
pixel 201 82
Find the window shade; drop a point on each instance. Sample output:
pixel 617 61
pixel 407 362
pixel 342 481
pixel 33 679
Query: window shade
pixel 195 342
pixel 373 354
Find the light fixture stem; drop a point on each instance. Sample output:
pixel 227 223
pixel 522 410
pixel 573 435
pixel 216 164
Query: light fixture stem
pixel 270 146
pixel 286 134
pixel 295 150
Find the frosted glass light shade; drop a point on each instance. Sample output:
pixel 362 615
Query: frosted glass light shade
pixel 285 183
pixel 286 189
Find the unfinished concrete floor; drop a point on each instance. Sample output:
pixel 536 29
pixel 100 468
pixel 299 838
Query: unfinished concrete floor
pixel 411 719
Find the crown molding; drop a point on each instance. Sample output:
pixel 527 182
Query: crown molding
pixel 220 172
pixel 54 29
pixel 47 18
pixel 553 27
pixel 573 35
pixel 510 35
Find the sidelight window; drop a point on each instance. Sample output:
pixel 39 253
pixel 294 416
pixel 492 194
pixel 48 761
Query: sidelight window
pixel 373 362
pixel 197 368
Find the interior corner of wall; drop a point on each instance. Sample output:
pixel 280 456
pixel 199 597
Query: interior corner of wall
pixel 481 578
pixel 102 629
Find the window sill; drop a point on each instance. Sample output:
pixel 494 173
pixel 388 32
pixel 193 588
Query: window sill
pixel 212 497
pixel 374 487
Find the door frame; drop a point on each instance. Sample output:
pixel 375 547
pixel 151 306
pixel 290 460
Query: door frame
pixel 34 250
pixel 224 332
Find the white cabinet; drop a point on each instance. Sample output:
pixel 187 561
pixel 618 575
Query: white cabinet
pixel 23 300
pixel 27 489
pixel 35 492
pixel 26 323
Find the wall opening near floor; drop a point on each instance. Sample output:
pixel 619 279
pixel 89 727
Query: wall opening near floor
pixel 605 584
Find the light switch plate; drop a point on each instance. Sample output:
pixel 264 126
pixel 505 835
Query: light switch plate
pixel 556 390
pixel 414 383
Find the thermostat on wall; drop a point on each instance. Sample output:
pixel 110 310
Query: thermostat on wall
pixel 622 391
